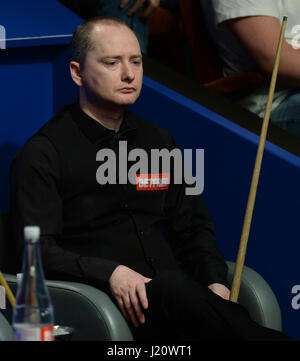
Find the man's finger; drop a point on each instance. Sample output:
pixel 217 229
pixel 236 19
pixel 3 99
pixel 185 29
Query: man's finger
pixel 137 306
pixel 142 295
pixel 123 309
pixel 124 3
pixel 130 311
pixel 137 5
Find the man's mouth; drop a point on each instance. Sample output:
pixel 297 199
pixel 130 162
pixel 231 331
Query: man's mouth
pixel 127 90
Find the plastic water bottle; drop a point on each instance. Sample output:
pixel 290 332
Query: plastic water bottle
pixel 33 316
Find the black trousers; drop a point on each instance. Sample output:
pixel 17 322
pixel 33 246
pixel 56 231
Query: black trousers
pixel 180 309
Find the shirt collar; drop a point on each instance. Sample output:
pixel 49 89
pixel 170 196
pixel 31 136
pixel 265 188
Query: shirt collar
pixel 97 133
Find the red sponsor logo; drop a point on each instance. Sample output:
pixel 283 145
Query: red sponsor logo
pixel 152 182
pixel 47 334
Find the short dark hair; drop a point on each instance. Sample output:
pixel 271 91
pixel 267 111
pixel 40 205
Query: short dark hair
pixel 81 41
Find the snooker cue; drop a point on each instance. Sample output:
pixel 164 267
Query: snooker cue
pixel 255 177
pixel 8 292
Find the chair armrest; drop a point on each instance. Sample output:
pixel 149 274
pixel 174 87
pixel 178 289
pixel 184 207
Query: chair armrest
pixel 88 310
pixel 6 331
pixel 258 298
pixel 114 323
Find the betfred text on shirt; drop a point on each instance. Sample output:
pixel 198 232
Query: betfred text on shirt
pixel 155 178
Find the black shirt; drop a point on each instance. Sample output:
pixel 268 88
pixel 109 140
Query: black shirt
pixel 87 229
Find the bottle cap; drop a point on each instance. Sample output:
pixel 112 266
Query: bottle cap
pixel 32 233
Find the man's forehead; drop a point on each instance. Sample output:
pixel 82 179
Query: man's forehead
pixel 111 34
pixel 114 40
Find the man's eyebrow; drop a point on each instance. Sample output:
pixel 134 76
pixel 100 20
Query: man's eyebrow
pixel 135 56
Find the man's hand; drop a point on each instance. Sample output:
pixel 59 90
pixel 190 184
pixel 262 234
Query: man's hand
pixel 152 5
pixel 220 290
pixel 128 287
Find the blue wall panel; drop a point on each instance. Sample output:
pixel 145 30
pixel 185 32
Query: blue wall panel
pixel 37 22
pixel 37 33
pixel 27 99
pixel 25 105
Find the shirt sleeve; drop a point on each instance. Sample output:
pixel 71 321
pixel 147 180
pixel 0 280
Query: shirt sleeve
pixel 35 200
pixel 232 9
pixel 192 236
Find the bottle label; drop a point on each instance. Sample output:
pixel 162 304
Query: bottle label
pixel 33 333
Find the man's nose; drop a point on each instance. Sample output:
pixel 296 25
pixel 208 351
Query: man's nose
pixel 127 72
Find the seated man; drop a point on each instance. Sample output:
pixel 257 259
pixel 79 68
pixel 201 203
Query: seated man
pixel 151 248
pixel 247 34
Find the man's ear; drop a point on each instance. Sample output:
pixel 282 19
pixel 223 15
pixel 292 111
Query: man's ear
pixel 76 73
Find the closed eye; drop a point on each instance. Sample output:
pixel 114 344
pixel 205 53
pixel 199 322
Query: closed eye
pixel 137 62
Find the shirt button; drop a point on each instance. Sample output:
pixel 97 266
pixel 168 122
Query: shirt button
pixel 141 233
pixel 125 205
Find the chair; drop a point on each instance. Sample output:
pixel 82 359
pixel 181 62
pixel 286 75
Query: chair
pixel 89 311
pixel 94 316
pixel 257 297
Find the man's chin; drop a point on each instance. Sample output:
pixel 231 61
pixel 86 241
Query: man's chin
pixel 115 103
pixel 126 101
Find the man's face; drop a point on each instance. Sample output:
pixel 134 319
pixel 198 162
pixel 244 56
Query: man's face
pixel 113 71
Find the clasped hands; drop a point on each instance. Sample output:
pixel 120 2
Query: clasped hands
pixel 128 288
